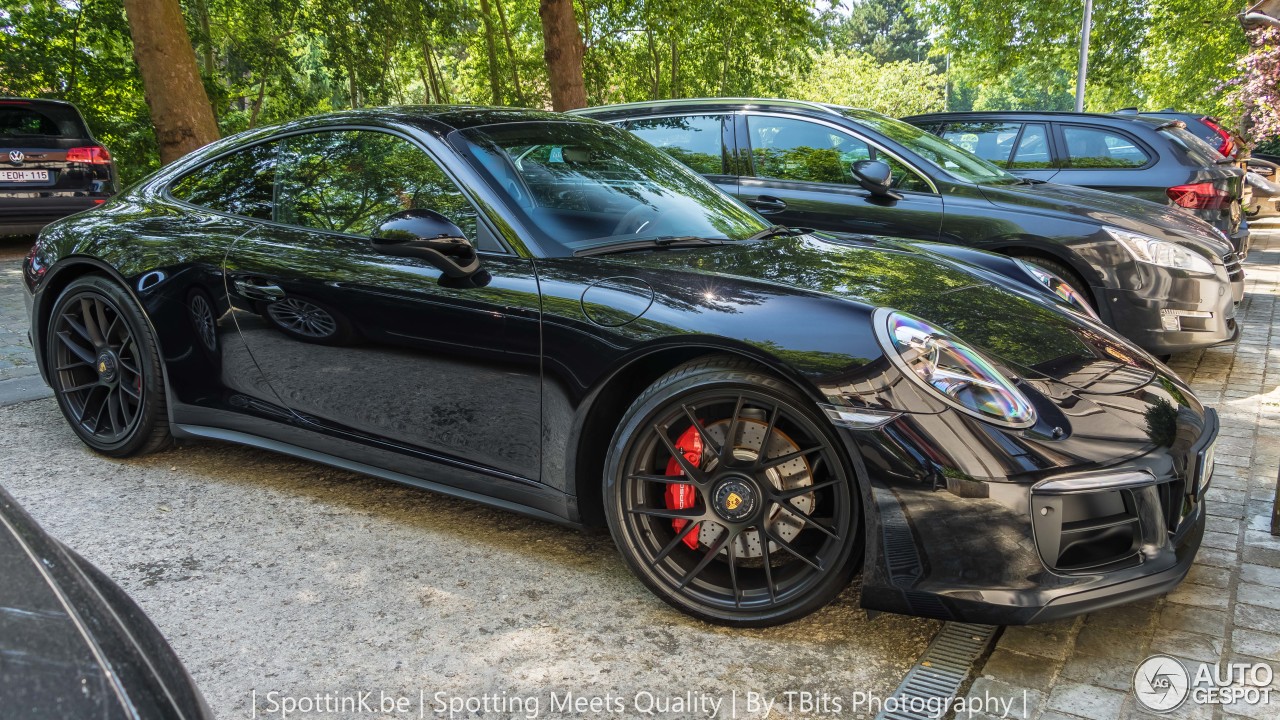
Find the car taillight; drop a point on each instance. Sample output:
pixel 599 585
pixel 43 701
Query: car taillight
pixel 1200 196
pixel 1228 146
pixel 93 154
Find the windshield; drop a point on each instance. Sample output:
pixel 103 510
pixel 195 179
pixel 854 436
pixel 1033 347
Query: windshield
pixel 585 185
pixel 953 159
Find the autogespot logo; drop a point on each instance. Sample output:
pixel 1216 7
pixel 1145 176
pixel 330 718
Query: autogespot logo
pixel 1161 683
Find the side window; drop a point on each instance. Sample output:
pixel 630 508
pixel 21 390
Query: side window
pixel 694 140
pixel 349 181
pixel 991 141
pixel 1101 149
pixel 1033 148
pixel 241 183
pixel 788 149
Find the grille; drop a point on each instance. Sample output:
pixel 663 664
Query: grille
pixel 1088 530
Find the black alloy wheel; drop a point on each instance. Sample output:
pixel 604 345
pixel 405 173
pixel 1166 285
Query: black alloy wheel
pixel 728 496
pixel 105 370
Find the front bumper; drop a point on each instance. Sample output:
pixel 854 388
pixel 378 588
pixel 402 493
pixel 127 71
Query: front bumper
pixel 981 552
pixel 1175 313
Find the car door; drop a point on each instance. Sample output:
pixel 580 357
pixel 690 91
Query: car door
pixel 387 347
pixel 801 175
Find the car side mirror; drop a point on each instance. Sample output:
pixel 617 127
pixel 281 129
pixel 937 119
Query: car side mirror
pixel 428 235
pixel 875 176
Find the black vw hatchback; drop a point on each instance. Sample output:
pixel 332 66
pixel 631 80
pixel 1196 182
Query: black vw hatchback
pixel 50 165
pixel 544 313
pixel 1161 277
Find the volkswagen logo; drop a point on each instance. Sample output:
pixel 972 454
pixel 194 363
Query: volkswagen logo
pixel 16 157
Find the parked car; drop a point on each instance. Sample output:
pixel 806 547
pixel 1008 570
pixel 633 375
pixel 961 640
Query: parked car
pixel 74 645
pixel 544 313
pixel 1151 158
pixel 1207 128
pixel 50 165
pixel 1163 279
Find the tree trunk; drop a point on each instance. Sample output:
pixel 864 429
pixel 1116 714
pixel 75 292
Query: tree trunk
pixel 656 65
pixel 180 110
pixel 429 78
pixel 511 55
pixel 562 49
pixel 494 86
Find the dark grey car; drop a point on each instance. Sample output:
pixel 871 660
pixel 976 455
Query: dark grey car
pixel 802 164
pixel 1155 159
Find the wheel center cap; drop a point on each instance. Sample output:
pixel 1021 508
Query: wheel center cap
pixel 735 499
pixel 106 366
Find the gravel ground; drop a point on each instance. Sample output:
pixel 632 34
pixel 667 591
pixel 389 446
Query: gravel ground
pixel 270 574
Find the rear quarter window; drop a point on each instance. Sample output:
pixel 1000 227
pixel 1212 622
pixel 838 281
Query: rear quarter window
pixel 242 183
pixel 1199 151
pixel 1095 148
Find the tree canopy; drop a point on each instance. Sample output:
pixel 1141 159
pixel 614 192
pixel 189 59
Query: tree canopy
pixel 264 61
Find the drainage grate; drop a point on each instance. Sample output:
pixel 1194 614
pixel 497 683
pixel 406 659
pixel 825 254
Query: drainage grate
pixel 939 673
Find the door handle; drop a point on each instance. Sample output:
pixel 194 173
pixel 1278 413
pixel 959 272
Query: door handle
pixel 257 289
pixel 767 204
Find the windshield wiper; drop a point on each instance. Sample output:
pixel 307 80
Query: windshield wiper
pixel 1031 181
pixel 779 231
pixel 662 242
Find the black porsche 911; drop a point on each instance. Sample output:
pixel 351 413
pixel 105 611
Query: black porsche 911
pixel 547 314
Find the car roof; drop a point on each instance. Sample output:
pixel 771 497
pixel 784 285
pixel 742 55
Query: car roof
pixel 431 117
pixel 692 103
pixel 1104 118
pixel 5 100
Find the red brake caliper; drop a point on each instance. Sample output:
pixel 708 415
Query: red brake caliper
pixel 681 496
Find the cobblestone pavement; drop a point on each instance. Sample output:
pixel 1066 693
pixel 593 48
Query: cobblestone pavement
pixel 19 378
pixel 1228 609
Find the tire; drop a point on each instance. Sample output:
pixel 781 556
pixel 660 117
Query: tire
pixel 1064 272
pixel 720 546
pixel 109 386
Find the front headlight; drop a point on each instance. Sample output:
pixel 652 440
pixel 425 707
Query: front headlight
pixel 959 374
pixel 1059 287
pixel 1147 249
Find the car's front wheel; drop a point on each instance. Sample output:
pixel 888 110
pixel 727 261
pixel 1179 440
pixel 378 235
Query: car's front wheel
pixel 728 496
pixel 104 369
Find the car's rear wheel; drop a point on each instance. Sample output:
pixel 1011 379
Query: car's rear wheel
pixel 105 370
pixel 729 497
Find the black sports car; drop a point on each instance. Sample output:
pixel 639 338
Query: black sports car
pixel 547 314
pixel 72 643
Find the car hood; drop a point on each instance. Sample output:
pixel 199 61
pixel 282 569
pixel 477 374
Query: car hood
pixel 1028 334
pixel 1165 222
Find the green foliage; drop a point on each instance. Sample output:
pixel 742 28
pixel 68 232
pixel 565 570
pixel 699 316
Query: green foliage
pixel 898 88
pixel 883 29
pixel 265 61
pixel 1150 54
pixel 82 55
